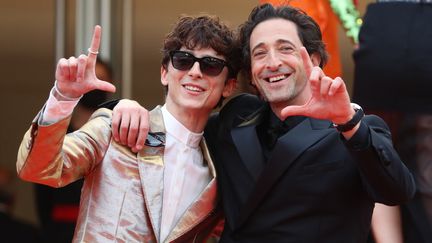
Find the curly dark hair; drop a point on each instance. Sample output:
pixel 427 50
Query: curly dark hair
pixel 203 31
pixel 308 31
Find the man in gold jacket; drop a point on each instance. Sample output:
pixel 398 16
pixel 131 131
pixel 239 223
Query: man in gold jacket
pixel 163 192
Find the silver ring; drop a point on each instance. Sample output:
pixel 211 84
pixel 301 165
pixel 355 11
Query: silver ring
pixel 92 52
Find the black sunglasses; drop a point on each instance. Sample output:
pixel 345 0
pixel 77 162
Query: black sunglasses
pixel 184 61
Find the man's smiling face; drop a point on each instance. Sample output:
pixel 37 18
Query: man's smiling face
pixel 193 90
pixel 276 65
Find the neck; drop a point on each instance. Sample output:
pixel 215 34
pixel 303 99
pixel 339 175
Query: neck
pixel 193 119
pixel 277 108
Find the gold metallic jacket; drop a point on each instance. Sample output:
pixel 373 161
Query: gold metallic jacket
pixel 121 200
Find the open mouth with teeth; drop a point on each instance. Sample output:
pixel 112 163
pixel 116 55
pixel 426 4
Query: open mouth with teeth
pixel 193 88
pixel 277 78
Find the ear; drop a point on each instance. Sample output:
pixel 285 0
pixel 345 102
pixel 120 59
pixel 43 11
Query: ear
pixel 229 88
pixel 164 73
pixel 316 59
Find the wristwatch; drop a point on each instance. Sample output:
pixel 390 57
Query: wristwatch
pixel 359 114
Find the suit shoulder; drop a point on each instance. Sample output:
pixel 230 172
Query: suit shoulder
pixel 376 121
pixel 102 113
pixel 99 122
pixel 377 124
pixel 241 101
pixel 239 107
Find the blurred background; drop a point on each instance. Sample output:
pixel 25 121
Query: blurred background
pixel 35 34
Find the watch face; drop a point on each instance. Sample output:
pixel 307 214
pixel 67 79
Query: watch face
pixel 356 106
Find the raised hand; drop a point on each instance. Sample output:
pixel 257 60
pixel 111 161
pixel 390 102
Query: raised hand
pixel 329 97
pixel 77 76
pixel 130 124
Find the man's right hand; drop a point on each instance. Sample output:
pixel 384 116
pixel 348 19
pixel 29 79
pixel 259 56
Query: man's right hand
pixel 77 76
pixel 130 124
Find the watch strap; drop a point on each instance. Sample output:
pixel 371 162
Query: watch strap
pixel 359 114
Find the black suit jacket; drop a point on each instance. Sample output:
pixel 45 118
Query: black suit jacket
pixel 315 187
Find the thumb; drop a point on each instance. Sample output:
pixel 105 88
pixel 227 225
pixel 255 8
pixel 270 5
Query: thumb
pixel 104 86
pixel 293 110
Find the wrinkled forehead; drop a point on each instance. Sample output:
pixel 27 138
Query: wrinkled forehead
pixel 274 31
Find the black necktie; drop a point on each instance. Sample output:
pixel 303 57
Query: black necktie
pixel 274 131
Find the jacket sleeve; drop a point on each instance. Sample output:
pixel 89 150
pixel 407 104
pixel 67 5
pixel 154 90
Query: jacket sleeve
pixel 384 175
pixel 47 155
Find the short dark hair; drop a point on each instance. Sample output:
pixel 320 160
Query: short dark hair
pixel 203 31
pixel 308 31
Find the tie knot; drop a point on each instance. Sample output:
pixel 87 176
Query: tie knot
pixel 275 130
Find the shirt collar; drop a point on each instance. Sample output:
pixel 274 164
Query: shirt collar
pixel 180 132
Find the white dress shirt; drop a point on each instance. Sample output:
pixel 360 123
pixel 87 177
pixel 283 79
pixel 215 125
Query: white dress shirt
pixel 185 176
pixel 56 110
pixel 185 173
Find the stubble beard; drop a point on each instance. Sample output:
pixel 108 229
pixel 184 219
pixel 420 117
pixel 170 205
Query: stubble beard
pixel 285 95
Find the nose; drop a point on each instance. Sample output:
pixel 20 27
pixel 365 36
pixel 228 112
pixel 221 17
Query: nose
pixel 195 71
pixel 273 61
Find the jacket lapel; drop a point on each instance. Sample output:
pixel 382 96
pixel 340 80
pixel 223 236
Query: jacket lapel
pixel 151 169
pixel 204 204
pixel 250 151
pixel 288 148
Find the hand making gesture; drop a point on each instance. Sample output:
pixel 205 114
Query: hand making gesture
pixel 76 76
pixel 329 97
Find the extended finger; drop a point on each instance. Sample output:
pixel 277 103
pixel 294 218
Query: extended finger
pixel 294 110
pixel 94 46
pixel 82 63
pixel 104 85
pixel 307 62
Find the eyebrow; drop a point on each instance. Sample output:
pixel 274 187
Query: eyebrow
pixel 279 41
pixel 216 55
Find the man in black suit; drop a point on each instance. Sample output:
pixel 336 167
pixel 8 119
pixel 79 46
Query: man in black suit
pixel 309 181
pixel 286 173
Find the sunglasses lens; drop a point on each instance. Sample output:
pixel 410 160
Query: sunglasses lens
pixel 182 61
pixel 211 66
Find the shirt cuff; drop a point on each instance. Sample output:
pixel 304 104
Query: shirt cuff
pixel 361 139
pixel 56 110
